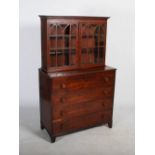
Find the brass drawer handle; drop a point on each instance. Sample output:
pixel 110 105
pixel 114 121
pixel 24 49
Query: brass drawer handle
pixel 106 79
pixel 106 92
pixel 63 85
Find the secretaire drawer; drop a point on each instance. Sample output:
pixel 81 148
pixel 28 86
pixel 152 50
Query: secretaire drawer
pixel 76 123
pixel 85 81
pixel 75 97
pixel 74 110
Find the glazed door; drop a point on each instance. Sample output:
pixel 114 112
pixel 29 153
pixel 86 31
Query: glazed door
pixel 62 45
pixel 92 44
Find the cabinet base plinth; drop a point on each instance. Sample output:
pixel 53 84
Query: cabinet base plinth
pixel 53 139
pixel 42 126
pixel 110 124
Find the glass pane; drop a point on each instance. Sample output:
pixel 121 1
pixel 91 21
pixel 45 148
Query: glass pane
pixel 91 30
pixel 96 55
pixel 53 29
pixel 66 57
pixel 63 44
pixel 96 40
pixel 92 43
pixel 101 43
pixel 73 43
pixel 101 50
pixel 84 30
pixel 84 42
pixel 60 29
pixel 59 58
pixel 102 35
pixel 97 29
pixel 60 43
pixel 90 56
pixel 53 44
pixel 84 55
pixel 66 41
pixel 53 58
pixel 73 58
pixel 102 29
pixel 73 30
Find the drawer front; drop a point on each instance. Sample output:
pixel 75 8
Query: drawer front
pixel 85 95
pixel 86 81
pixel 77 123
pixel 75 110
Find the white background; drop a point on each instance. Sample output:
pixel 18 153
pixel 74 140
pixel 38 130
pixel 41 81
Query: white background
pixel 144 82
pixel 119 54
pixel 120 41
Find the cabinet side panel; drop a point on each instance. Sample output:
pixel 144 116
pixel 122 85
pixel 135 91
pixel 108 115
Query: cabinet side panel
pixel 105 44
pixel 44 43
pixel 113 94
pixel 45 101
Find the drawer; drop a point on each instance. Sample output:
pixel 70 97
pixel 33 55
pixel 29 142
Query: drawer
pixel 85 95
pixel 77 123
pixel 74 110
pixel 86 81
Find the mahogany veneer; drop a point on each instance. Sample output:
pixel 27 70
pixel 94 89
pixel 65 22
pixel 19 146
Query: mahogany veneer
pixel 76 87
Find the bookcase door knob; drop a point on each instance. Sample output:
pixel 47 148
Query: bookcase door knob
pixel 106 79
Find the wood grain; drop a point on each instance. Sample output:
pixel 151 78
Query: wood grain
pixel 76 88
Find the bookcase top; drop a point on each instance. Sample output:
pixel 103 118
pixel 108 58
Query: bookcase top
pixel 72 17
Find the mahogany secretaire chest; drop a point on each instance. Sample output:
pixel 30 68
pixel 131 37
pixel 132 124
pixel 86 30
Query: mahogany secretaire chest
pixel 76 87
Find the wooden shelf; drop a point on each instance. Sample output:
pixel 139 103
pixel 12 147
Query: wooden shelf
pixel 54 49
pixel 91 36
pixel 62 52
pixel 62 36
pixel 92 47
